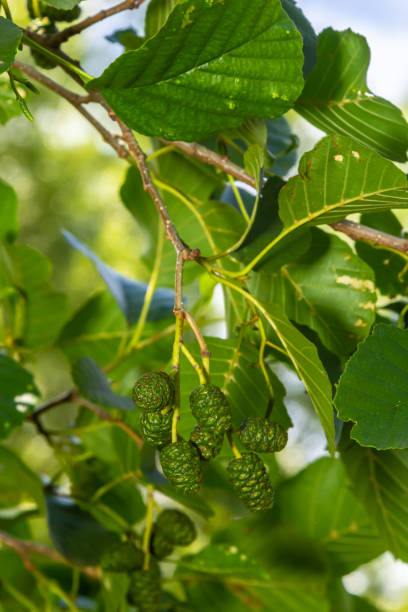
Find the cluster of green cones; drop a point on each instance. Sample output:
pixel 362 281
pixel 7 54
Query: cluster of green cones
pixel 182 460
pixel 172 528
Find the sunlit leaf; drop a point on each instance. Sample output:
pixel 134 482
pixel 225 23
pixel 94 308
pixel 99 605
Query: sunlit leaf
pixel 10 37
pixel 203 79
pixel 318 501
pixel 337 178
pixel 336 98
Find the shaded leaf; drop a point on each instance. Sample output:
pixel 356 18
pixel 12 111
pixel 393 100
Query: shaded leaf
pixel 380 480
pixel 8 211
pixel 93 384
pixel 280 594
pixel 373 390
pixel 62 4
pixel 223 560
pixel 187 91
pixel 336 97
pixel 18 483
pixel 38 311
pixel 306 30
pixel 128 38
pixel 337 178
pixel 267 227
pixel 95 330
pixel 196 503
pixel 75 533
pixel 387 265
pixel 10 38
pixel 128 293
pixel 9 107
pixel 319 503
pixel 14 380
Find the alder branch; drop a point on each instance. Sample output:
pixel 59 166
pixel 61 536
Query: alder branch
pixel 140 159
pixel 61 37
pixel 356 231
pixel 105 416
pixel 24 549
pixel 77 101
pixel 211 158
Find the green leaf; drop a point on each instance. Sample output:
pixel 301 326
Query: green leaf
pixel 233 369
pixel 306 30
pixel 336 97
pixel 95 330
pixel 191 78
pixel 196 503
pixel 114 590
pixel 157 14
pixel 318 501
pixel 281 144
pixel 9 107
pixel 14 380
pixel 379 479
pixel 38 311
pixel 337 178
pixel 223 560
pixel 329 289
pixel 254 161
pixel 208 225
pixel 75 533
pixel 387 265
pixel 93 384
pixel 373 390
pixel 128 38
pixel 62 4
pixel 283 593
pixel 306 361
pixel 128 293
pixel 10 38
pixel 18 483
pixel 8 212
pixel 267 227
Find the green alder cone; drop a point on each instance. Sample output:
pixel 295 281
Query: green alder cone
pixel 263 436
pixel 123 557
pixel 251 482
pixel 53 13
pixel 160 546
pixel 153 391
pixel 145 588
pixel 181 466
pixel 156 427
pixel 177 527
pixel 210 408
pixel 209 442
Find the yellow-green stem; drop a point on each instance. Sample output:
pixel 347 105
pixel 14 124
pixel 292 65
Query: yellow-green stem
pixel 233 446
pixel 150 289
pixel 149 525
pixel 160 152
pixel 238 197
pixel 176 416
pixel 200 372
pixel 262 356
pixel 6 7
pixel 56 58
